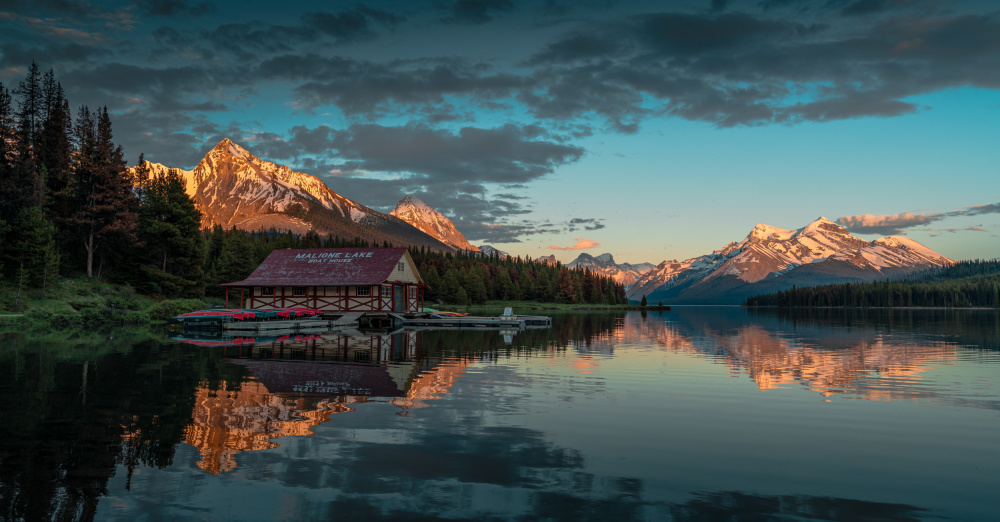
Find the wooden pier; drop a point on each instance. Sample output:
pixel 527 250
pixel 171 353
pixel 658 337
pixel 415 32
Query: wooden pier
pixel 385 319
pixel 519 322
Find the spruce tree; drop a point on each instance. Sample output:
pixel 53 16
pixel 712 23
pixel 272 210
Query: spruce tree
pixel 173 248
pixel 104 219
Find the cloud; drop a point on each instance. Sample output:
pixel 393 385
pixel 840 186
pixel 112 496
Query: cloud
pixel 581 244
pixel 360 87
pixel 741 68
pixel 897 223
pixel 174 7
pixel 507 154
pixel 886 225
pixel 476 12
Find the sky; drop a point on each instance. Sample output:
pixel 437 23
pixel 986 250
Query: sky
pixel 650 130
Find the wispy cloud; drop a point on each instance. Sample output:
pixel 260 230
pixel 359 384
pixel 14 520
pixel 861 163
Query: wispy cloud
pixel 897 223
pixel 887 225
pixel 581 244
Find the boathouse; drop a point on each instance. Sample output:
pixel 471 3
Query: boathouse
pixel 334 280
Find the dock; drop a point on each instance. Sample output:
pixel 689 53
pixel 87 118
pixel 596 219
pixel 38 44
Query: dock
pixel 353 320
pixel 519 322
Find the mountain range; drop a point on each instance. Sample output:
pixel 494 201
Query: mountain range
pixel 232 187
pixel 624 273
pixel 770 259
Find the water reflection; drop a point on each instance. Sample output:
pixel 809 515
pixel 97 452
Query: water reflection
pixel 573 423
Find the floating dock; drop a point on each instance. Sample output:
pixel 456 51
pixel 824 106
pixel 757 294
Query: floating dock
pixel 342 321
pixel 519 322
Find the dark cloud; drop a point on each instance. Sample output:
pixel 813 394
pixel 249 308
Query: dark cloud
pixel 507 154
pixel 360 87
pixel 64 53
pixel 992 208
pixel 158 89
pixel 476 12
pixel 745 69
pixel 174 7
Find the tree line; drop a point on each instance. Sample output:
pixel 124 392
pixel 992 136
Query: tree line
pixel 69 206
pixel 965 284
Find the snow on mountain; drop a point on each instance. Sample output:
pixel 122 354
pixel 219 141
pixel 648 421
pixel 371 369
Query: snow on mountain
pixel 624 273
pixel 232 187
pixel 489 250
pixel 821 251
pixel 431 222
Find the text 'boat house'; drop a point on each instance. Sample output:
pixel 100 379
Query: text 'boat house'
pixel 334 280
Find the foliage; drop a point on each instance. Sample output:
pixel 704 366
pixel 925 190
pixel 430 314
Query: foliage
pixel 964 284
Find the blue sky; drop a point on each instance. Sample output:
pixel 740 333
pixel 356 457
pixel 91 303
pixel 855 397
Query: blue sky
pixel 651 130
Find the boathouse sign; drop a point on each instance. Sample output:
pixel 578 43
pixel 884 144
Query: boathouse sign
pixel 333 257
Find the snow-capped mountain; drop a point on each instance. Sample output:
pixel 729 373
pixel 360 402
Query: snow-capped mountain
pixel 431 222
pixel 489 250
pixel 624 273
pixel 771 259
pixel 232 187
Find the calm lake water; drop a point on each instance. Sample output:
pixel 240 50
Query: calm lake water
pixel 702 413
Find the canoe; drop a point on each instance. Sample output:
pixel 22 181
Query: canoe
pixel 207 315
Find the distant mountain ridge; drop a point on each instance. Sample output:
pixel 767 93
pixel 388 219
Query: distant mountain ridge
pixel 624 273
pixel 431 222
pixel 772 258
pixel 232 187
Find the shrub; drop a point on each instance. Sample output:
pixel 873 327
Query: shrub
pixel 166 309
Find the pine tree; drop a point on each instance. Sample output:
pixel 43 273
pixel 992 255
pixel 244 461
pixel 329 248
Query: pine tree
pixel 173 248
pixel 30 253
pixel 105 204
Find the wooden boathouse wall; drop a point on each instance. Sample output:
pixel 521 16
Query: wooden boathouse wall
pixel 335 280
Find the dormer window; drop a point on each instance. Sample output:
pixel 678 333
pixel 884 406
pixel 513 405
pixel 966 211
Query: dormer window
pixel 402 266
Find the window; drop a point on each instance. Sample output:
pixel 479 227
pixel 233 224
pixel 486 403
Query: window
pixel 386 291
pixel 412 292
pixel 401 266
pixel 298 290
pixel 267 290
pixel 364 290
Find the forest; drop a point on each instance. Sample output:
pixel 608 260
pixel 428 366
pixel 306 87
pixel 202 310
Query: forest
pixel 962 285
pixel 70 207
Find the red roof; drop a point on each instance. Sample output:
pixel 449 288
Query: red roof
pixel 325 267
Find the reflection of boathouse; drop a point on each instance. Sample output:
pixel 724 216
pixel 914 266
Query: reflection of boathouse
pixel 298 385
pixel 334 280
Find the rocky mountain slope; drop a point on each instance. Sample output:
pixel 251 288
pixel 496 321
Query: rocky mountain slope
pixel 624 273
pixel 232 187
pixel 771 259
pixel 431 222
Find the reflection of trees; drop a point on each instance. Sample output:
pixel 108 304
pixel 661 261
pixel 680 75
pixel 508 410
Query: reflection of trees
pixel 736 505
pixel 72 412
pixel 857 355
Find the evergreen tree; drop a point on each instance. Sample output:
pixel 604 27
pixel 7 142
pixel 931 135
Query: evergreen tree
pixel 30 255
pixel 237 260
pixel 173 248
pixel 105 204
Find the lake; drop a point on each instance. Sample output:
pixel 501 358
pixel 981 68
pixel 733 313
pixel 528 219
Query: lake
pixel 699 413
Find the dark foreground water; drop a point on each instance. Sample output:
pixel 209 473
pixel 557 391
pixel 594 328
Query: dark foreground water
pixel 693 414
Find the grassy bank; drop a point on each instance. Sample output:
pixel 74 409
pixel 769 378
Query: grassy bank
pixel 81 301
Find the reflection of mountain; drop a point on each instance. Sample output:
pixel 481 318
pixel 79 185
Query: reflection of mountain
pixel 861 362
pixel 290 397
